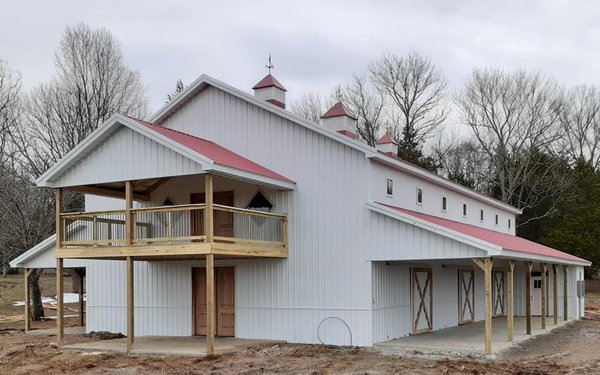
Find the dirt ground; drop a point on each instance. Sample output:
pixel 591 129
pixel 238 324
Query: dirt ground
pixel 572 349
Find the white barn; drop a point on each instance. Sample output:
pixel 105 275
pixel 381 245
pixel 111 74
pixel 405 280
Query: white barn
pixel 227 215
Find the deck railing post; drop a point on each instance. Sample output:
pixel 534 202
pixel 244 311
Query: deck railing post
pixel 208 215
pixel 130 305
pixel 128 216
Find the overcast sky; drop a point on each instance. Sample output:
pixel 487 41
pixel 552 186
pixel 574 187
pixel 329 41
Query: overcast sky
pixel 315 44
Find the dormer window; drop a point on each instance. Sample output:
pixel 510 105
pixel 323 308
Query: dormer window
pixel 480 215
pixel 464 209
pixel 496 219
pixel 389 187
pixel 508 223
pixel 260 203
pixel 444 203
pixel 419 196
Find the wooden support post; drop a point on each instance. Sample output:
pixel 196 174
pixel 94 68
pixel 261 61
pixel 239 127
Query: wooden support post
pixel 60 330
pixel 511 312
pixel 565 293
pixel 543 293
pixel 81 304
pixel 488 306
pixel 130 306
pixel 210 304
pixel 128 217
pixel 555 292
pixel 528 297
pixel 486 266
pixel 27 300
pixel 208 215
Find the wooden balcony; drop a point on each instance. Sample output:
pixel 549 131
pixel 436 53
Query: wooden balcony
pixel 184 232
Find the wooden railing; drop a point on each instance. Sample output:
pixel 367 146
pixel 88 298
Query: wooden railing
pixel 168 225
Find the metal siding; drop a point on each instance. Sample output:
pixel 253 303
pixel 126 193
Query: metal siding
pixel 127 155
pixel 325 275
pixel 391 239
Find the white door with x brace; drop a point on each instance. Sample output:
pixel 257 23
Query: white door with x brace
pixel 498 293
pixel 466 296
pixel 422 300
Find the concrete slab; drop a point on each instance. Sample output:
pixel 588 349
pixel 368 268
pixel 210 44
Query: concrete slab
pixel 467 339
pixel 166 345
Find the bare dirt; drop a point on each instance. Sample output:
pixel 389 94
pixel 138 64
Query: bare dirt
pixel 572 349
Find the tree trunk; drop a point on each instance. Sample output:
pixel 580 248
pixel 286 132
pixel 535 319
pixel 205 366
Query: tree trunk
pixel 37 309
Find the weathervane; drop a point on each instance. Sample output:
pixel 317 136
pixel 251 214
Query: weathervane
pixel 338 94
pixel 270 64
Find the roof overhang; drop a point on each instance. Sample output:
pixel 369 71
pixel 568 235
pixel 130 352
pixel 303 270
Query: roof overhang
pixel 51 178
pixel 491 249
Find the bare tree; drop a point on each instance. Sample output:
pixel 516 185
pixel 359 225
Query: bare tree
pixel 10 106
pixel 179 87
pixel 580 121
pixel 91 83
pixel 368 105
pixel 515 117
pixel 415 90
pixel 310 106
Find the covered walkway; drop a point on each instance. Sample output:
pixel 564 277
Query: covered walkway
pixel 466 339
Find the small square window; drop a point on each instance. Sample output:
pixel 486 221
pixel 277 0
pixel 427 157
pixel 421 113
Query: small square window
pixel 419 196
pixel 389 187
pixel 444 203
pixel 496 219
pixel 464 209
pixel 480 215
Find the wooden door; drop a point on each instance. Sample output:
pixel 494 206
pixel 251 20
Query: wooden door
pixel 223 221
pixel 199 300
pixel 225 289
pixel 466 296
pixel 498 288
pixel 422 300
pixel 225 300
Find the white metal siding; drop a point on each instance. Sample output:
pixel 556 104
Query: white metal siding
pixel 405 196
pixel 326 273
pixel 391 239
pixel 128 155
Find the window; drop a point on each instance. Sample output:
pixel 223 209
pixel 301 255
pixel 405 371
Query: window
pixel 444 203
pixel 480 215
pixel 389 187
pixel 260 203
pixel 508 223
pixel 464 209
pixel 419 196
pixel 496 219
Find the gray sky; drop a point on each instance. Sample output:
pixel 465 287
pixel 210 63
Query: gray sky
pixel 315 44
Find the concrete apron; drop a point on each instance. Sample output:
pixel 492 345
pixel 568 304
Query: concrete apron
pixel 166 345
pixel 467 339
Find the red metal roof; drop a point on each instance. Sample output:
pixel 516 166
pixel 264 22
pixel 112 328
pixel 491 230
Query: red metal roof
pixel 218 154
pixel 385 140
pixel 338 110
pixel 506 241
pixel 268 81
pixel 348 133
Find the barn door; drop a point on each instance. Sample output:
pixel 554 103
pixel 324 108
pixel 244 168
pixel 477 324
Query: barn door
pixel 422 300
pixel 223 221
pixel 466 296
pixel 225 300
pixel 498 288
pixel 225 289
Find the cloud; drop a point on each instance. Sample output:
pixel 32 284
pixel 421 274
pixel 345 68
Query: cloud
pixel 315 44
